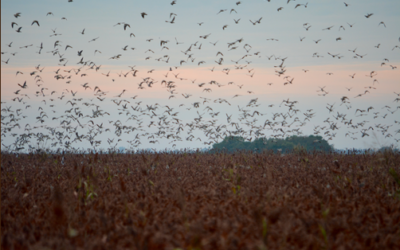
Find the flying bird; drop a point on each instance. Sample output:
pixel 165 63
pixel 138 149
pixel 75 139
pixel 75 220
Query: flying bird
pixel 382 23
pixel 369 15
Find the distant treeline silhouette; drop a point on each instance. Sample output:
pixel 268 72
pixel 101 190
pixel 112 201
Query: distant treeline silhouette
pixel 289 144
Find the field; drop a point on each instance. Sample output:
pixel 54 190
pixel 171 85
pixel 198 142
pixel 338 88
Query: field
pixel 200 201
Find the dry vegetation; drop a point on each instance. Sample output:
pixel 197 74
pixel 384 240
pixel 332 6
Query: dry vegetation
pixel 200 201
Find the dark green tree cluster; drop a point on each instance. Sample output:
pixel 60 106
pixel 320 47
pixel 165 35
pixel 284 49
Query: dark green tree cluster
pixel 289 144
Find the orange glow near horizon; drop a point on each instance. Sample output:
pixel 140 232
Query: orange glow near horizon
pixel 303 84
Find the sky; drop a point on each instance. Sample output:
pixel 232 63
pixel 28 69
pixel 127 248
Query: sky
pixel 327 68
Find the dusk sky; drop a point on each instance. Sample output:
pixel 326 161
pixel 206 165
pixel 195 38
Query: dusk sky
pixel 275 68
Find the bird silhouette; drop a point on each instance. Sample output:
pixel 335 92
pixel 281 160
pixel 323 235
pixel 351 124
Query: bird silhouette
pixel 35 21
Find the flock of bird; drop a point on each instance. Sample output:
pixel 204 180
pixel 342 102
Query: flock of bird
pixel 85 122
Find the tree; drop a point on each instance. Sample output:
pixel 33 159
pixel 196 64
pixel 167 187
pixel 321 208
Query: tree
pixel 308 143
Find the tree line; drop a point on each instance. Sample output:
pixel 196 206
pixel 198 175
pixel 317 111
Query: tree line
pixel 289 144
